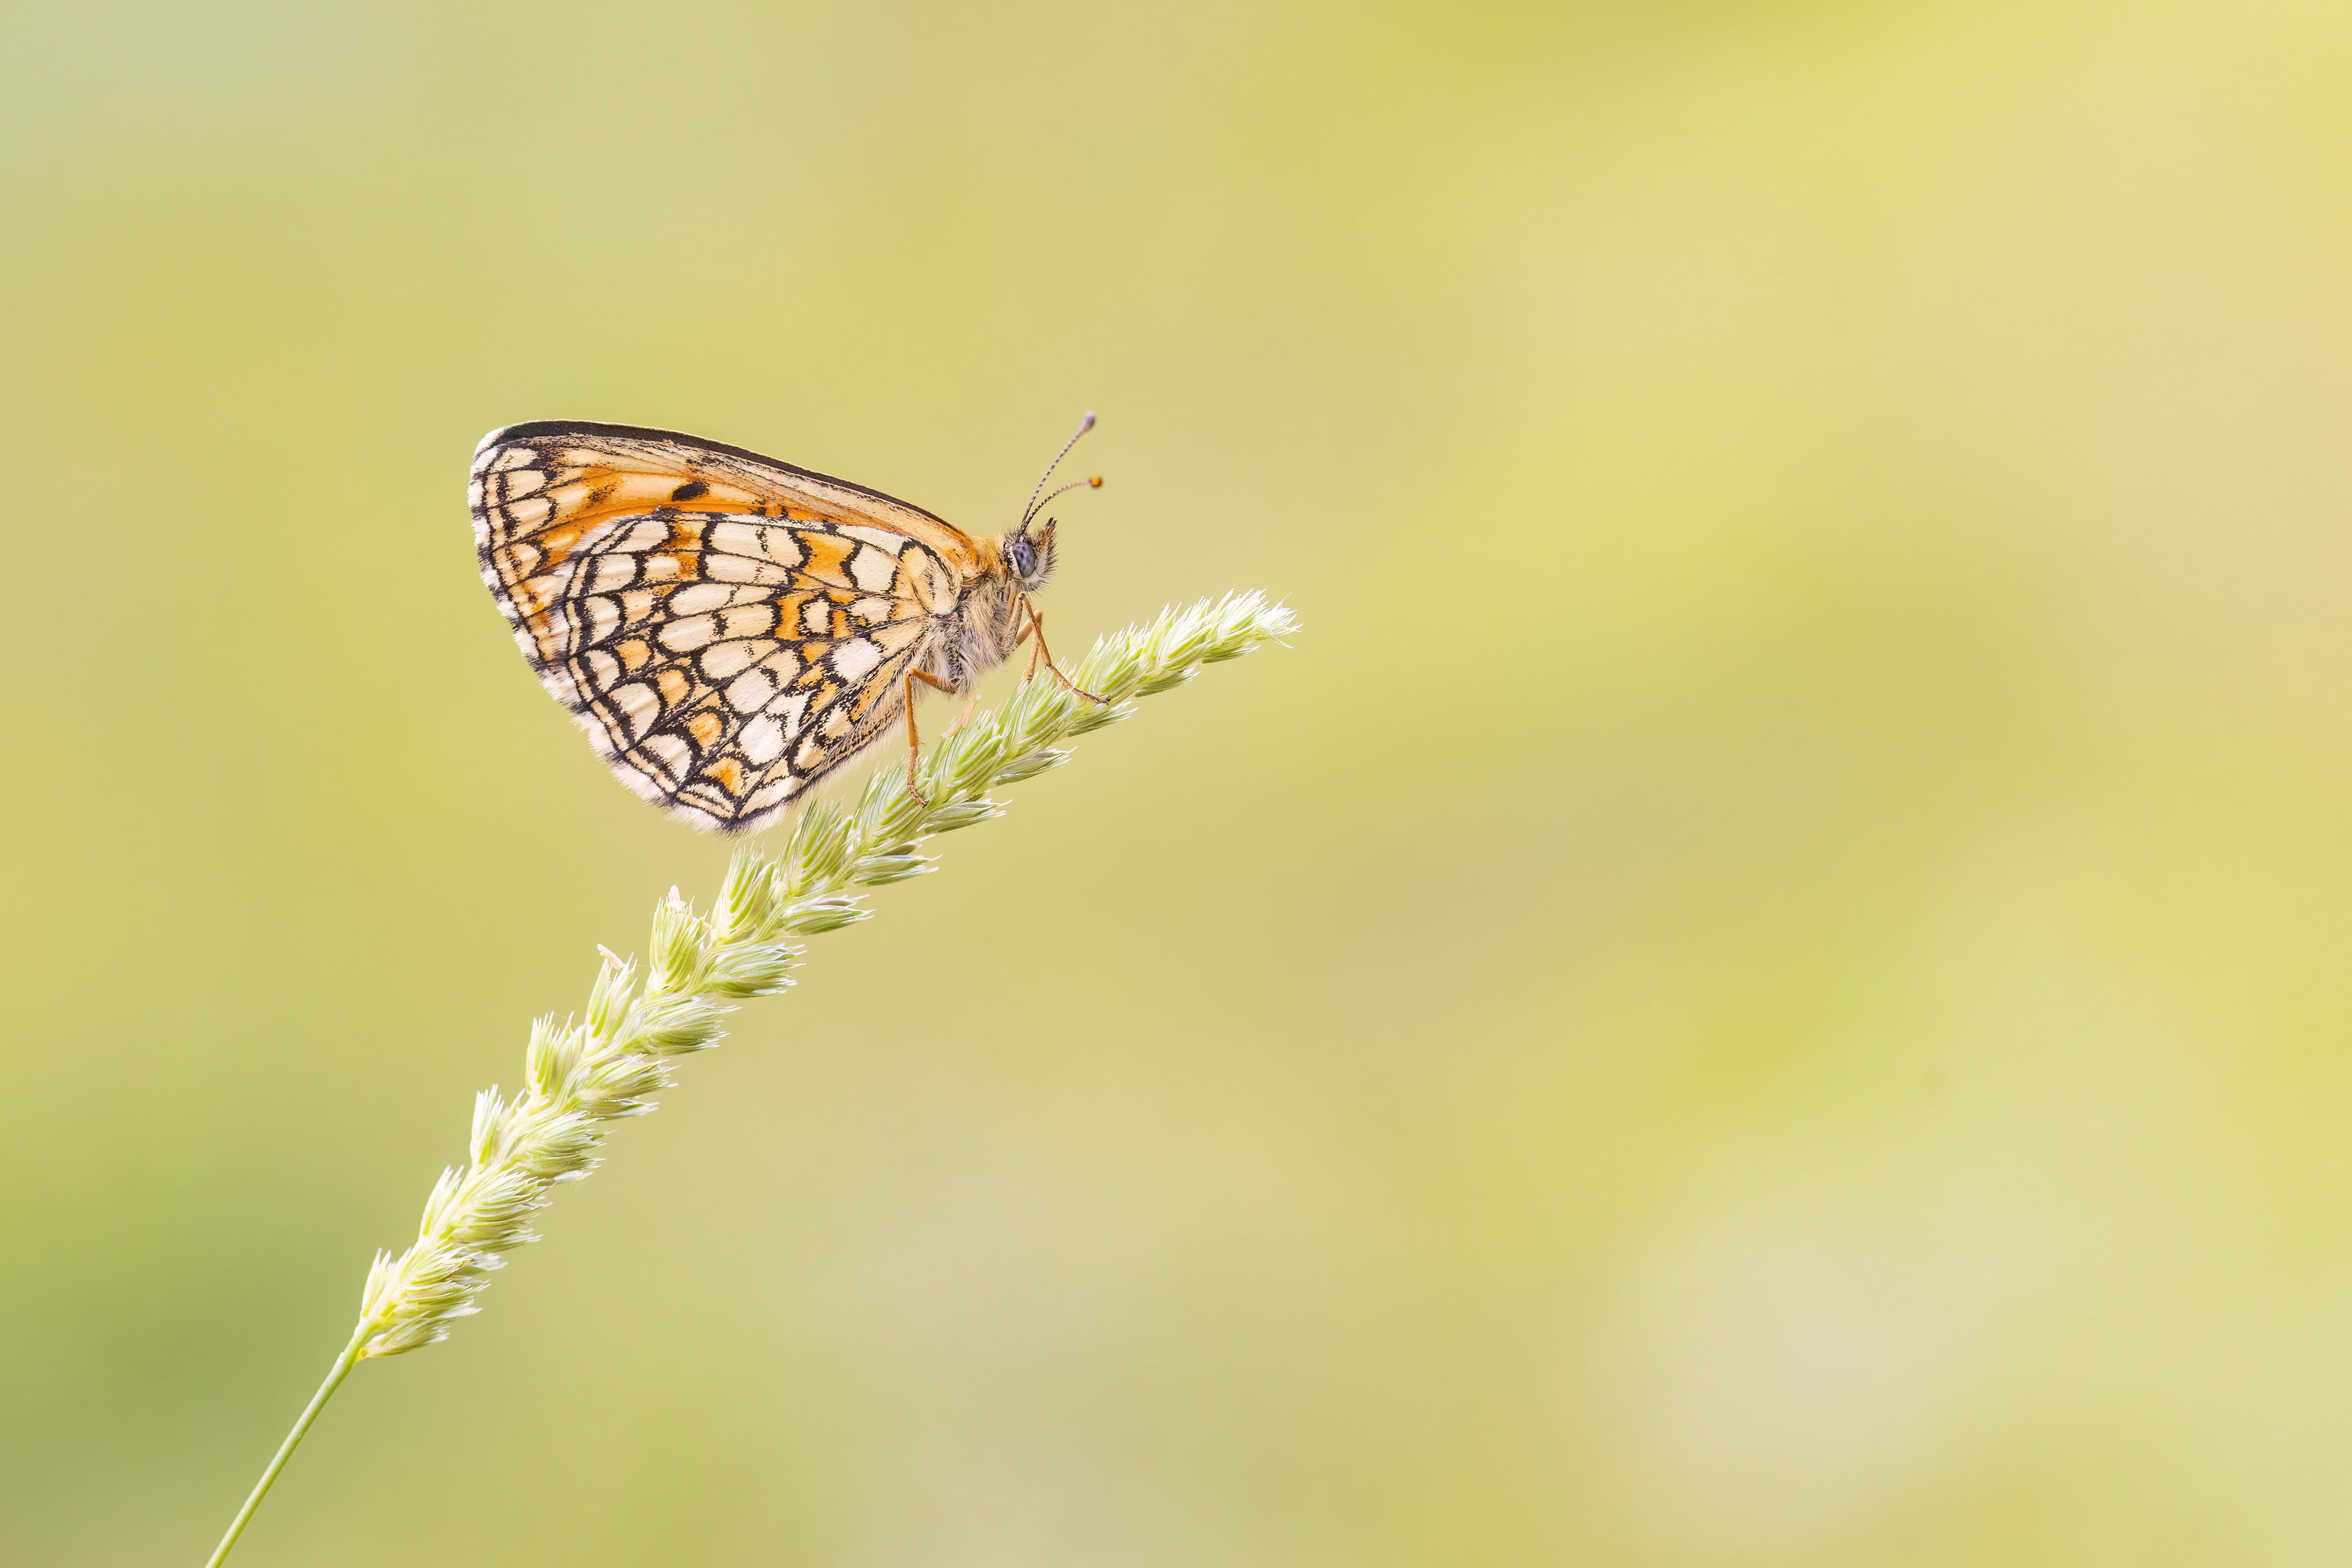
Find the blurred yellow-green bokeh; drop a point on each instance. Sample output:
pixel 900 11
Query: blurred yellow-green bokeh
pixel 1769 982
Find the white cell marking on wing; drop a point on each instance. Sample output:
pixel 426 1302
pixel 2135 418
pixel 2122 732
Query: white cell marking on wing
pixel 513 457
pixel 788 713
pixel 882 539
pixel 642 535
pixel 854 658
pixel 603 667
pixel 762 740
pixel 743 569
pixel 836 721
pixel 872 609
pixel 517 483
pixel 750 691
pixel 752 620
pixel 685 635
pixel 871 569
pixel 735 539
pixel 762 541
pixel 529 512
pixel 725 660
pixel 612 572
pixel 695 599
pixel 603 619
pixel 816 618
pixel 637 705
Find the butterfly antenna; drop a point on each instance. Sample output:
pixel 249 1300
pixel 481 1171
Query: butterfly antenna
pixel 1092 481
pixel 1037 496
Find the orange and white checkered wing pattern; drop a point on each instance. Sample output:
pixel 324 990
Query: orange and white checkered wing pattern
pixel 728 628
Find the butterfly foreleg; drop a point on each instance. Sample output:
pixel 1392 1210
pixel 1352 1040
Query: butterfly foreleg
pixel 914 745
pixel 1037 627
pixel 1030 669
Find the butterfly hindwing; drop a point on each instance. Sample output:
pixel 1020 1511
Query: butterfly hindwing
pixel 728 628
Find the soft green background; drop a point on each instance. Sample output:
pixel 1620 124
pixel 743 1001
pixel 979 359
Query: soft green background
pixel 1768 983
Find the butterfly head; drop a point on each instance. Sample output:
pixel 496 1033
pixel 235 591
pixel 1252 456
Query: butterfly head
pixel 1029 555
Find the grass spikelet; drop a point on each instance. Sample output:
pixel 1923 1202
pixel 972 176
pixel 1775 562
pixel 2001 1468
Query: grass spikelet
pixel 610 1061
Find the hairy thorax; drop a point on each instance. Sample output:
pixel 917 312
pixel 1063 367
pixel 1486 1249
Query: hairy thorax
pixel 981 631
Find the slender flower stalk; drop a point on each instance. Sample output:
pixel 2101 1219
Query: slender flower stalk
pixel 642 1017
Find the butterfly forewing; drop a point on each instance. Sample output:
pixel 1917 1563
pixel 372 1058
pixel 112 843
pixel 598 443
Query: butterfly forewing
pixel 727 627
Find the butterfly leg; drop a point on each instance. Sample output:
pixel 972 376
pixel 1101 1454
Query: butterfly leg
pixel 971 706
pixel 1037 649
pixel 914 745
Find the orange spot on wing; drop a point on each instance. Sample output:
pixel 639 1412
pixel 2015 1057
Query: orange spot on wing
pixel 828 555
pixel 686 548
pixel 559 542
